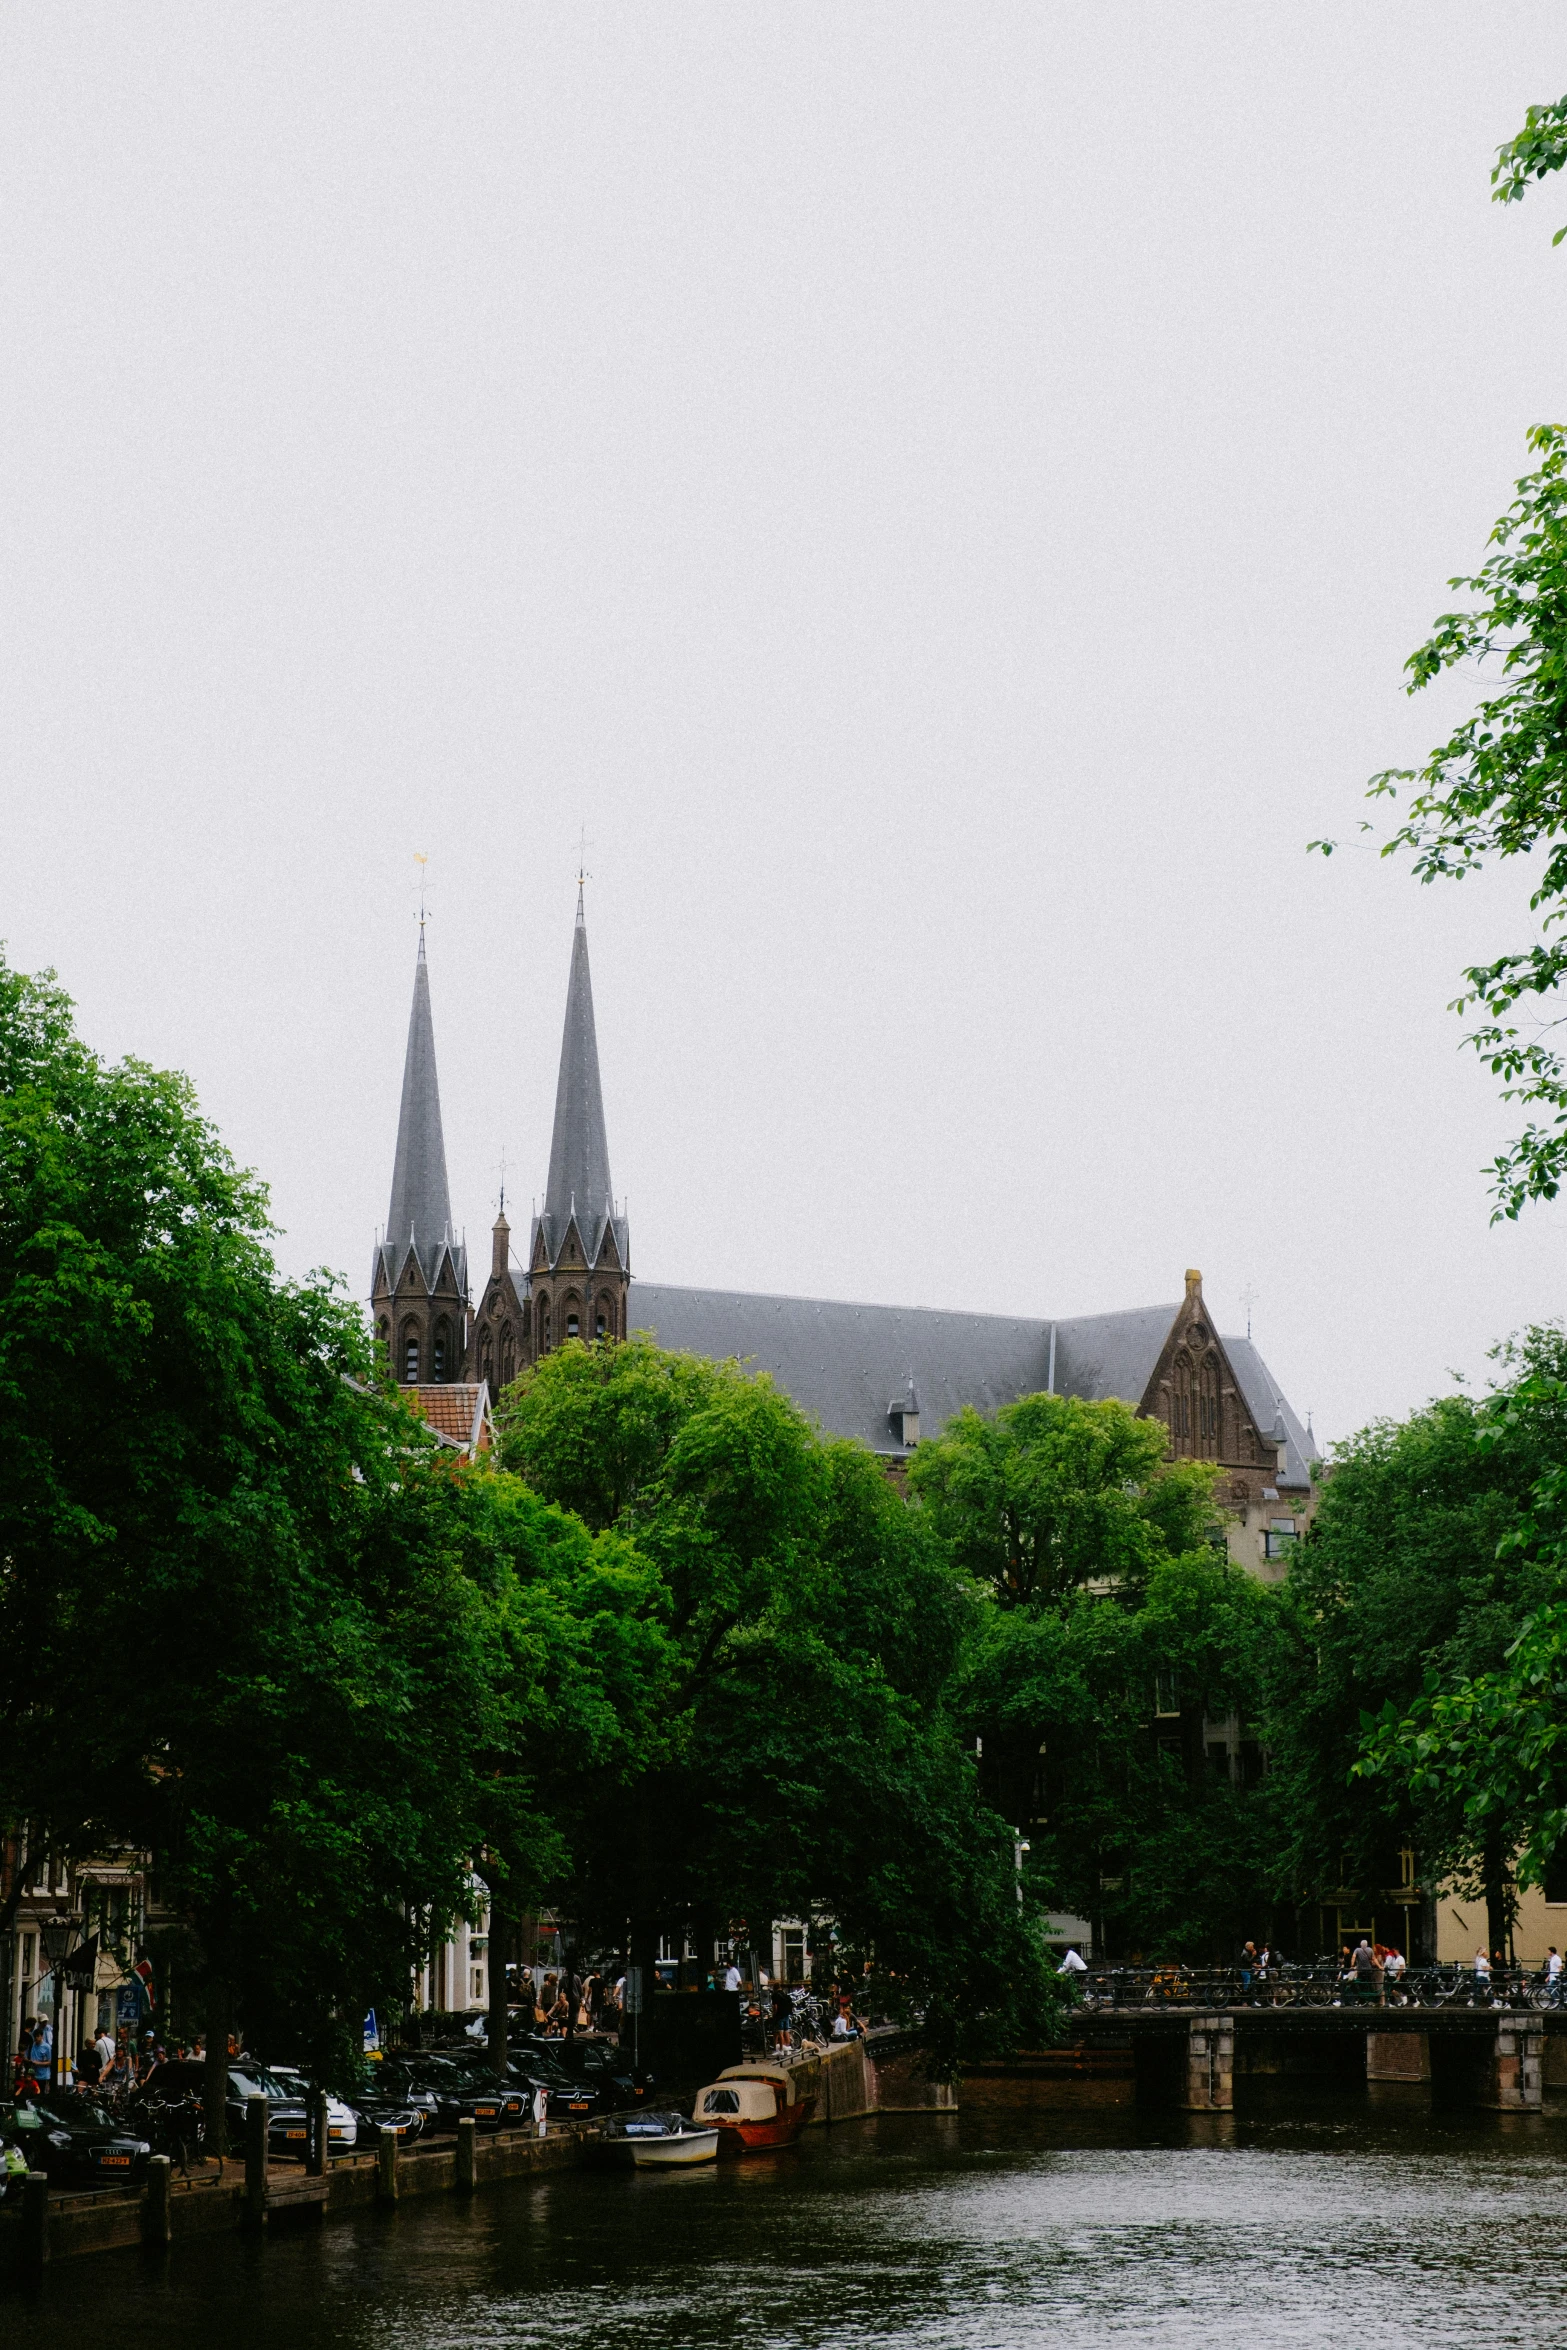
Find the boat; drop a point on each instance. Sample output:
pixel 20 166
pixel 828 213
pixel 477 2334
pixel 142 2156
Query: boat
pixel 755 2108
pixel 658 2141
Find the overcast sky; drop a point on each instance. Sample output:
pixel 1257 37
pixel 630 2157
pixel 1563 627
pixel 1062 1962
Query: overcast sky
pixel 942 493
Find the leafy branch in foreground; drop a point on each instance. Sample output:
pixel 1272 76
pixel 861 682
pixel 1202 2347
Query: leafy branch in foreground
pixel 1539 148
pixel 1498 788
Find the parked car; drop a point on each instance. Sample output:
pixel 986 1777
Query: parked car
pixel 288 2122
pixel 342 2120
pixel 601 2065
pixel 573 2094
pixel 410 2081
pixel 75 2141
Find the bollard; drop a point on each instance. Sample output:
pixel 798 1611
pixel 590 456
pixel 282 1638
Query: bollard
pixel 35 2221
pixel 386 2165
pixel 157 2220
pixel 320 2137
pixel 257 2116
pixel 467 2149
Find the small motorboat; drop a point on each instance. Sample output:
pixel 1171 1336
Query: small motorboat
pixel 658 2141
pixel 754 2106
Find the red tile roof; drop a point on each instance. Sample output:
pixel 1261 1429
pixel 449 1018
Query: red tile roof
pixel 457 1412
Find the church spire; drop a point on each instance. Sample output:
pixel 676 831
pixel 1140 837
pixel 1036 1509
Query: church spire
pixel 420 1214
pixel 579 1150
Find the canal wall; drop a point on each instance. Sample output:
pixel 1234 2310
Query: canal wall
pixel 42 2228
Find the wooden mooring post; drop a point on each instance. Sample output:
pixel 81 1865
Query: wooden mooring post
pixel 258 2115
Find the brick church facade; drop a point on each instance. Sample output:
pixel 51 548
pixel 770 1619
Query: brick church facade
pixel 884 1374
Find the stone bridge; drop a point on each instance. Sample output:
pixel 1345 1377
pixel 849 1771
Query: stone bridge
pixel 1502 2058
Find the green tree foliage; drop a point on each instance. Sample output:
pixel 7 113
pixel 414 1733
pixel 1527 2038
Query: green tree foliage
pixel 1053 1493
pixel 1113 1626
pixel 1474 1747
pixel 1497 787
pixel 252 1622
pixel 799 1755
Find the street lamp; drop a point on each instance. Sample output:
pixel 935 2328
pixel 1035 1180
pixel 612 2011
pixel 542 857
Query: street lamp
pixel 57 1934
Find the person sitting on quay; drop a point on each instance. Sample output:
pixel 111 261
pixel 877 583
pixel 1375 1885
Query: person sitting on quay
pixel 1074 1962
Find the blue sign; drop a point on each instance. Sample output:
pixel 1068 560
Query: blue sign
pixel 372 2033
pixel 130 2005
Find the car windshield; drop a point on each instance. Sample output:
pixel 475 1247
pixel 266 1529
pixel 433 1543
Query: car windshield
pixel 255 2082
pixel 78 2111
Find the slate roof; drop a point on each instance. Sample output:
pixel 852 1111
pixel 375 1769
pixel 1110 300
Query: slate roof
pixel 579 1146
pixel 845 1364
pixel 420 1214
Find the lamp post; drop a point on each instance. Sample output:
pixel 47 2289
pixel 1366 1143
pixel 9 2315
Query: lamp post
pixel 57 1934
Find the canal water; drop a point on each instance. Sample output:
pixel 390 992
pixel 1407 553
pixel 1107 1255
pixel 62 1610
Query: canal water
pixel 1381 2223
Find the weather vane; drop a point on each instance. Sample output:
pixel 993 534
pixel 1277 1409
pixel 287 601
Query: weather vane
pixel 503 1179
pixel 582 862
pixel 1248 1300
pixel 421 860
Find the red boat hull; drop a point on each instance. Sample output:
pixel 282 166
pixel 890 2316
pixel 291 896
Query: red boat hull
pixel 739 2137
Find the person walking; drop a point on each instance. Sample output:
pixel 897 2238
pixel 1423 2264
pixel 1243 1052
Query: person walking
pixel 1553 1976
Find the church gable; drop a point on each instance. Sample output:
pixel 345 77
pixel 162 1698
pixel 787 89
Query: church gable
pixel 1194 1391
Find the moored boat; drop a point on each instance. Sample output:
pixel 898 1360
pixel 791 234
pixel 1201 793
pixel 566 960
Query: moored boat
pixel 755 2107
pixel 658 2141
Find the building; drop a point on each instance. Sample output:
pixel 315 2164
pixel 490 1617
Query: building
pixel 885 1374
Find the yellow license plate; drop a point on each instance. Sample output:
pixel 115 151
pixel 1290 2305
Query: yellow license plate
pixel 484 2113
pixel 579 2105
pixel 122 2160
pixel 293 2133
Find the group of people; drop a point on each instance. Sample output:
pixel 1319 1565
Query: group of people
pixel 107 2062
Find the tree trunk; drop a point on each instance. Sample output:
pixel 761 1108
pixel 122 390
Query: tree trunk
pixel 216 2086
pixel 1498 1908
pixel 497 1955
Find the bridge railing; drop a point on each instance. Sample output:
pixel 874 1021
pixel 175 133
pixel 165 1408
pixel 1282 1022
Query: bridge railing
pixel 1319 1983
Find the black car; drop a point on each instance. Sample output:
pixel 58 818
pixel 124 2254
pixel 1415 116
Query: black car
pixel 414 2082
pixel 597 2068
pixel 574 2094
pixel 288 2117
pixel 72 2138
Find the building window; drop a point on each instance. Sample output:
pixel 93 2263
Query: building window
pixel 544 1326
pixel 410 1358
pixel 478 1986
pixel 508 1355
pixel 487 1361
pixel 383 1331
pixel 1556 1877
pixel 443 1370
pixel 794 1954
pixel 1278 1538
pixel 1166 1697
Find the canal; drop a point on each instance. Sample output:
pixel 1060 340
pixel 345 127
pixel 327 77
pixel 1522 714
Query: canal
pixel 1380 2222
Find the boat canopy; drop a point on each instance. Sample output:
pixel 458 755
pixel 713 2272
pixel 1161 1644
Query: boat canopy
pixel 739 2100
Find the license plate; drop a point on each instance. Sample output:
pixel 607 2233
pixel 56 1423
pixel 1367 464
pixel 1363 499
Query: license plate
pixel 119 2161
pixel 579 2105
pixel 293 2133
pixel 484 2113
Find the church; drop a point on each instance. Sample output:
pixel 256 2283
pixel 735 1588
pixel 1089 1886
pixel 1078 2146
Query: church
pixel 883 1374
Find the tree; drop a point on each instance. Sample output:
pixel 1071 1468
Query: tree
pixel 239 1633
pixel 1497 787
pixel 1113 1627
pixel 1481 1747
pixel 799 1756
pixel 1412 1571
pixel 1053 1493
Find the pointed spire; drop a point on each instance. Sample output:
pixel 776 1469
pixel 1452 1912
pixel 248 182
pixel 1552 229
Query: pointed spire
pixel 421 1211
pixel 579 1150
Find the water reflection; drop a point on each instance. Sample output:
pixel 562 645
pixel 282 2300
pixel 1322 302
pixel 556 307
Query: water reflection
pixel 930 2233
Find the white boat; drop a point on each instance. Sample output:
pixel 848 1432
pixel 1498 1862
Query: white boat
pixel 673 2152
pixel 659 2141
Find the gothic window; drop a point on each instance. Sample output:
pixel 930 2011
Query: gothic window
pixel 604 1319
pixel 1181 1404
pixel 442 1353
pixel 573 1319
pixel 486 1358
pixel 544 1326
pixel 508 1356
pixel 383 1331
pixel 410 1356
pixel 1208 1409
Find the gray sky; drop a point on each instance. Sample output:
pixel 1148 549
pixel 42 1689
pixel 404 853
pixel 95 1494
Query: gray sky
pixel 943 493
